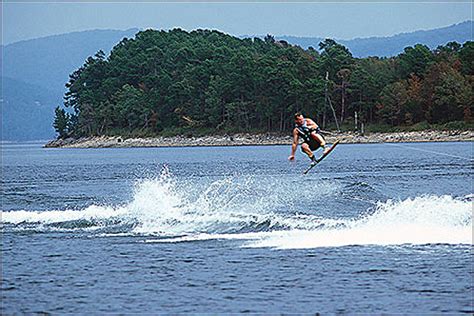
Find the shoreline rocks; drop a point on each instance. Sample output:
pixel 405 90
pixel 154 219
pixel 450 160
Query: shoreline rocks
pixel 244 139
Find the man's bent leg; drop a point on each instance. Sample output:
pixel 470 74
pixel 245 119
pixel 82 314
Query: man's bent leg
pixel 305 148
pixel 321 141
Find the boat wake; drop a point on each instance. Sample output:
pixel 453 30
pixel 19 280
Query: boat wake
pixel 261 214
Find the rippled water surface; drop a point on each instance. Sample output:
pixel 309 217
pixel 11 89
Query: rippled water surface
pixel 373 228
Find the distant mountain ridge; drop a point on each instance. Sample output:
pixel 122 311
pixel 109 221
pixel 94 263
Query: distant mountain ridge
pixel 48 61
pixel 393 45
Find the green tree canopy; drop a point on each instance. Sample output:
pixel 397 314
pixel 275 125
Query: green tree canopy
pixel 168 80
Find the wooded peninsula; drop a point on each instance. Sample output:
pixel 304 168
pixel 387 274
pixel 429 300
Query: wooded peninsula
pixel 204 82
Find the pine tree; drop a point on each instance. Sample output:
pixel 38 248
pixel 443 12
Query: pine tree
pixel 61 122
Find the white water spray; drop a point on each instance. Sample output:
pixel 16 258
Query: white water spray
pixel 233 208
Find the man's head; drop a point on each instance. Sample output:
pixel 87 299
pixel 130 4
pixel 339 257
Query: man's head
pixel 299 119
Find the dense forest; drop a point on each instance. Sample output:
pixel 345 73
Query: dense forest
pixel 165 82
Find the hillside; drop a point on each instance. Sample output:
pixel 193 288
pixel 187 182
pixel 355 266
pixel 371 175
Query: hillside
pixel 35 72
pixel 27 110
pixel 48 61
pixel 164 82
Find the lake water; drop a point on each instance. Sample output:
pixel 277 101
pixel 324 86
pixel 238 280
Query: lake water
pixel 373 228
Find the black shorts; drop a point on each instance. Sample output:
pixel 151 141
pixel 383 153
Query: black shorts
pixel 313 144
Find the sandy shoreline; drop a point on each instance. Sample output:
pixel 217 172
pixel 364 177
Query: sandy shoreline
pixel 257 139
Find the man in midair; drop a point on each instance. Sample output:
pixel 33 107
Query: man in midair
pixel 309 131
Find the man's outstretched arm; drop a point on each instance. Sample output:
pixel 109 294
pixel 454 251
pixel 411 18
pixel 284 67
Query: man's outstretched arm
pixel 294 145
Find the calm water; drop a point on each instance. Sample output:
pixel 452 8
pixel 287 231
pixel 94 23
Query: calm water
pixel 373 228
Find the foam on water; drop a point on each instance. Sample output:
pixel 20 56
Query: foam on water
pixel 246 208
pixel 421 220
pixel 92 213
pixel 161 207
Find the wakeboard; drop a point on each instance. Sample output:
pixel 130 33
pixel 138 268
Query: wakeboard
pixel 321 158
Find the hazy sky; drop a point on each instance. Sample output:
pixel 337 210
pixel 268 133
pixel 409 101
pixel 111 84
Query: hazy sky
pixel 342 20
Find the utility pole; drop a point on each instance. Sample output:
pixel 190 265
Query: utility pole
pixel 355 120
pixel 328 100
